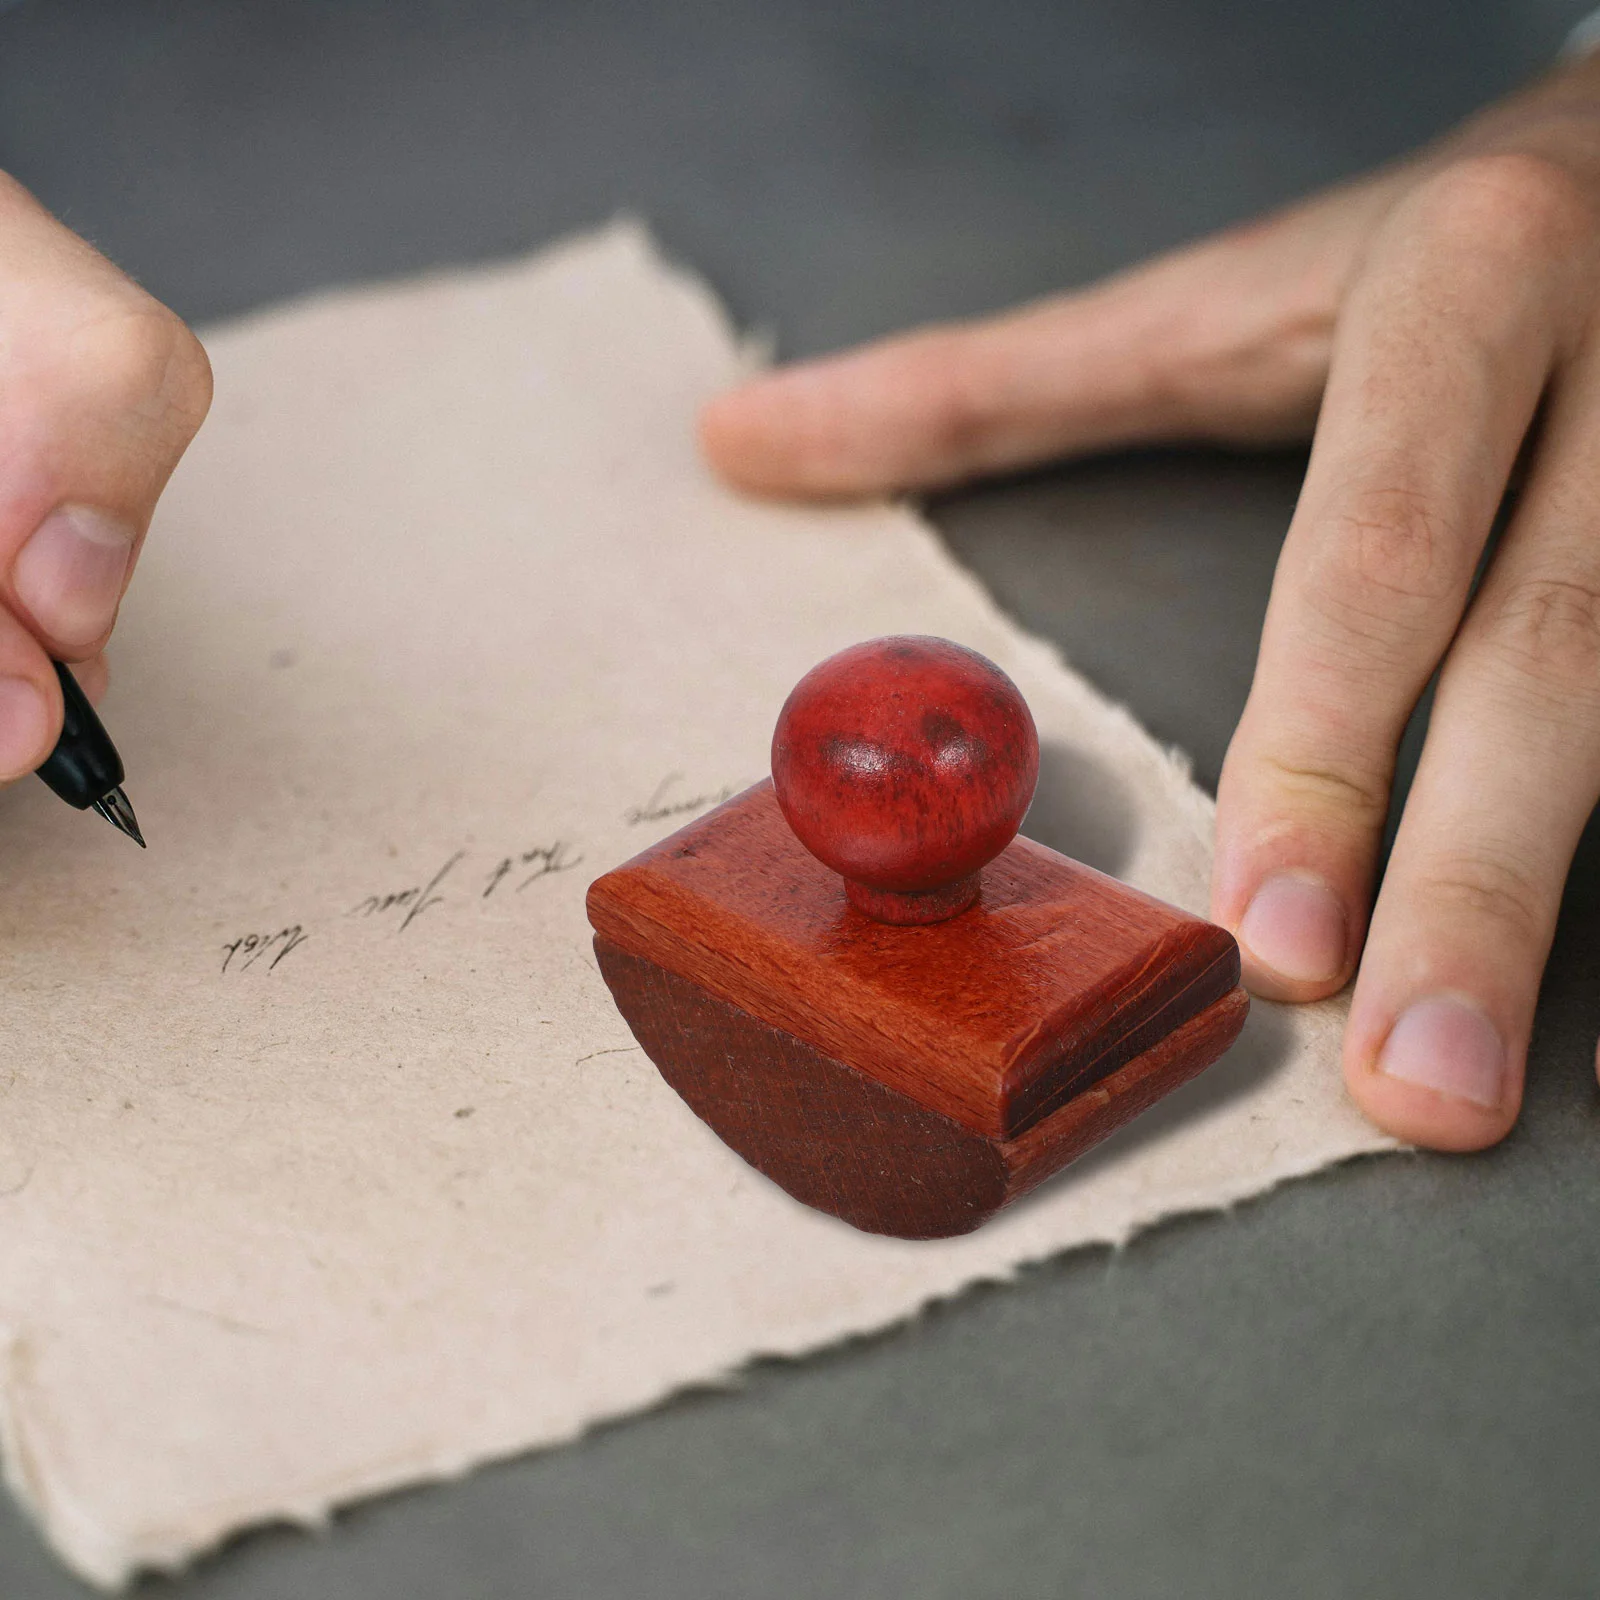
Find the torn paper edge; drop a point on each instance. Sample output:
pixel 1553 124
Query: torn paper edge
pixel 110 1559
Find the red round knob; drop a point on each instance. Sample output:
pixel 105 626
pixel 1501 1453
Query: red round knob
pixel 906 764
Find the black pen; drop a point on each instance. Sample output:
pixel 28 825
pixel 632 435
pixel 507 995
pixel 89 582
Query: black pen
pixel 84 768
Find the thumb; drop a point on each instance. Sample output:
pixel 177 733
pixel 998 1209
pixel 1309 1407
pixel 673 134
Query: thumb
pixel 1227 341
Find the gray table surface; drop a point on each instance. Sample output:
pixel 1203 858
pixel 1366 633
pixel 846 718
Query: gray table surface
pixel 1381 1381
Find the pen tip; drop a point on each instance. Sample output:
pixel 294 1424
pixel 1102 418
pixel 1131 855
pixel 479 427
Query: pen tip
pixel 116 810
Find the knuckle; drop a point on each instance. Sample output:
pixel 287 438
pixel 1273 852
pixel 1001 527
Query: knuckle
pixel 1549 628
pixel 140 359
pixel 189 370
pixel 1486 888
pixel 1516 199
pixel 1388 552
pixel 947 367
pixel 1326 789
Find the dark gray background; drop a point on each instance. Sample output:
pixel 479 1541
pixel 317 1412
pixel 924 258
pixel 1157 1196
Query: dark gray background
pixel 1382 1381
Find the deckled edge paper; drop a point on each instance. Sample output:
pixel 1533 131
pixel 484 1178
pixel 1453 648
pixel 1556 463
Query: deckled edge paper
pixel 590 316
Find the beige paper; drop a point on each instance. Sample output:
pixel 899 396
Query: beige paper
pixel 325 1163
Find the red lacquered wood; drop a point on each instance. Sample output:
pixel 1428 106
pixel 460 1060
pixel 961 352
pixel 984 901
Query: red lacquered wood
pixel 841 1141
pixel 1054 980
pixel 906 765
pixel 915 908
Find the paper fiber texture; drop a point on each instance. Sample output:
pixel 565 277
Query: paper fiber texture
pixel 326 1164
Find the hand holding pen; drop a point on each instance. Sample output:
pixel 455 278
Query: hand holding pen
pixel 101 390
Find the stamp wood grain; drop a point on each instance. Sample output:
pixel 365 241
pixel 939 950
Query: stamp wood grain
pixel 847 1144
pixel 1055 978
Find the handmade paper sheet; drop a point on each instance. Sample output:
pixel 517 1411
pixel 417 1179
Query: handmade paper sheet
pixel 326 1164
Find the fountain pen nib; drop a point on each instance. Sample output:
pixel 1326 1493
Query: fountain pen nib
pixel 116 810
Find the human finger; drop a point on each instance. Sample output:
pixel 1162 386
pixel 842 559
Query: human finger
pixel 94 677
pixel 1440 359
pixel 30 701
pixel 30 698
pixel 101 390
pixel 1226 340
pixel 1436 1045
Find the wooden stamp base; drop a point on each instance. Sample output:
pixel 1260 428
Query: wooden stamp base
pixel 910 1079
pixel 849 1145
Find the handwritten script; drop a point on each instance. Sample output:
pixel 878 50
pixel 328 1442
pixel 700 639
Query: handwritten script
pixel 252 947
pixel 663 803
pixel 457 879
pixel 413 901
pixel 403 906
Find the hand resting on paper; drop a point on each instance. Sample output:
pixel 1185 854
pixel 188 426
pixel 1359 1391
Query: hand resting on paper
pixel 101 390
pixel 1439 313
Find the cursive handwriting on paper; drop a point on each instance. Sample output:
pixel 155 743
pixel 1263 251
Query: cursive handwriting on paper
pixel 457 880
pixel 253 947
pixel 400 908
pixel 663 803
pixel 413 901
pixel 545 859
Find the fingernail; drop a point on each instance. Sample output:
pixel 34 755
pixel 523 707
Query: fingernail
pixel 24 727
pixel 71 572
pixel 1446 1043
pixel 1296 926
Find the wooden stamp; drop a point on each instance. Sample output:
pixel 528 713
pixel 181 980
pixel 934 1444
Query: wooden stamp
pixel 876 993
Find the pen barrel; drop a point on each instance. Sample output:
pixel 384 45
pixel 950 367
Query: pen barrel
pixel 84 766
